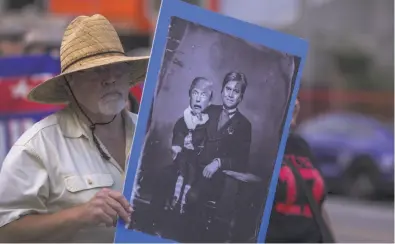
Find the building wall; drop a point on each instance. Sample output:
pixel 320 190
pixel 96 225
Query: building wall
pixel 344 25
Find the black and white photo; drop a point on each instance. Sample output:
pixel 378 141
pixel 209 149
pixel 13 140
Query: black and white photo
pixel 212 139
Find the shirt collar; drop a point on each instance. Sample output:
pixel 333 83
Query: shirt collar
pixel 72 127
pixel 230 111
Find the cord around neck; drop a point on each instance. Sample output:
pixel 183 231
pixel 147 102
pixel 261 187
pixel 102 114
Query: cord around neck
pixel 92 125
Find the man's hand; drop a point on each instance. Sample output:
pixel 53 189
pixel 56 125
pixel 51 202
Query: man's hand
pixel 211 168
pixel 175 150
pixel 104 207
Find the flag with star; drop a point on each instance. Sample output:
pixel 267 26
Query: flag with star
pixel 18 75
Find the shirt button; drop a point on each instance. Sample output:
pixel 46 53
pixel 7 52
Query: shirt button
pixel 90 182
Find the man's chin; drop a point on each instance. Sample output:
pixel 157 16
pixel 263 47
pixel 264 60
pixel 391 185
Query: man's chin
pixel 227 106
pixel 111 109
pixel 197 111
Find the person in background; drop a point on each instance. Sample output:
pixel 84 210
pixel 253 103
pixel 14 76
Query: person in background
pixel 62 179
pixel 132 104
pixel 291 219
pixel 11 43
pixel 43 41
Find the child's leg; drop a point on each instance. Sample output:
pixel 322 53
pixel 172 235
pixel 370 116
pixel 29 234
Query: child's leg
pixel 182 169
pixel 183 200
pixel 178 187
pixel 191 177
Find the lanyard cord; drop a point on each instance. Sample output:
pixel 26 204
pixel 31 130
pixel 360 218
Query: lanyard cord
pixel 92 127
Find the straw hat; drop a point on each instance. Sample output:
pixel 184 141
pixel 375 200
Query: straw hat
pixel 88 42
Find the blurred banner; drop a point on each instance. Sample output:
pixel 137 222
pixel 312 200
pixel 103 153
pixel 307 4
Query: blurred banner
pixel 131 13
pixel 18 75
pixel 139 15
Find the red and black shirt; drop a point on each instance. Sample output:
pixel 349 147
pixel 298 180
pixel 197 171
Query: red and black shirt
pixel 291 219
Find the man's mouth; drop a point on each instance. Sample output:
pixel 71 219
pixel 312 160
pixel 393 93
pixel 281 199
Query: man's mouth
pixel 197 107
pixel 111 94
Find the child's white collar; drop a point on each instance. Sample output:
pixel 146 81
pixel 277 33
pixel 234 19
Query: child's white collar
pixel 192 120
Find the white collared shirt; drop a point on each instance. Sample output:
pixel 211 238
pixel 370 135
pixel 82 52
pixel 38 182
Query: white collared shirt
pixel 55 165
pixel 230 111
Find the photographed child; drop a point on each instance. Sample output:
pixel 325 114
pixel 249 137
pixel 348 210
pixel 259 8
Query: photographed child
pixel 189 135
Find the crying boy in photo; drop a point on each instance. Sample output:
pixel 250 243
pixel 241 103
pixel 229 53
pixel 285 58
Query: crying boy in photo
pixel 189 136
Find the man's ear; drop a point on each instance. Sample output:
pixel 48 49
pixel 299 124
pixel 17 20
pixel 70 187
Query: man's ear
pixel 211 97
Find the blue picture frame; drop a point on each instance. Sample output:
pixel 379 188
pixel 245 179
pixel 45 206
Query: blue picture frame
pixel 255 34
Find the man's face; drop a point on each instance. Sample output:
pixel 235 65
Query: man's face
pixel 200 97
pixel 102 90
pixel 231 94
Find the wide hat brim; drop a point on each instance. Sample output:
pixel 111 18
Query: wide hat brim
pixel 53 90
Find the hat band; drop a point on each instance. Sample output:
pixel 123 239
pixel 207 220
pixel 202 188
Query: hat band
pixel 89 56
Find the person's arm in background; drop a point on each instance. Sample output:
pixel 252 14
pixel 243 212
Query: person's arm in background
pixel 133 104
pixel 306 148
pixel 326 218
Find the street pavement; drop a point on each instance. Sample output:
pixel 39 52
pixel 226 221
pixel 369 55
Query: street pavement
pixel 356 221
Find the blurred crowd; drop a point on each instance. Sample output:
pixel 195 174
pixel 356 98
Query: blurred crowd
pixel 19 42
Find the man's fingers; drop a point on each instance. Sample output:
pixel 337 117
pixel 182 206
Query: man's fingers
pixel 205 172
pixel 108 210
pixel 107 215
pixel 121 199
pixel 120 210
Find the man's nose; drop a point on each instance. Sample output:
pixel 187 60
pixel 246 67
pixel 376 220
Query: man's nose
pixel 109 78
pixel 109 81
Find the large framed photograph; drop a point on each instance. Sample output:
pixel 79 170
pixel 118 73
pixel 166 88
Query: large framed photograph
pixel 212 127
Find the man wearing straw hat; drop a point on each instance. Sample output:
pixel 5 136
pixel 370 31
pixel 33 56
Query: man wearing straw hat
pixel 62 179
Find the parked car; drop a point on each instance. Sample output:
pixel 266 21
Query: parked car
pixel 354 152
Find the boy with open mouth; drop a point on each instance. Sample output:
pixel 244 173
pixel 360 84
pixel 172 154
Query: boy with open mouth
pixel 189 136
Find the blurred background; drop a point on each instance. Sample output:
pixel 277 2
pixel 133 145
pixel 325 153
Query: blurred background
pixel 347 89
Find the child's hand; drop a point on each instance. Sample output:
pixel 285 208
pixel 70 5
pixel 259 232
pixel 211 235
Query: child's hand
pixel 175 150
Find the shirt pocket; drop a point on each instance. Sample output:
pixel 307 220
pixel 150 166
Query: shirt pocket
pixel 79 183
pixel 80 188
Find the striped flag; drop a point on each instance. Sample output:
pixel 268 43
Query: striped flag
pixel 18 75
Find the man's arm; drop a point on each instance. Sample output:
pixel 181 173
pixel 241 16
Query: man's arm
pixel 24 190
pixel 240 151
pixel 55 227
